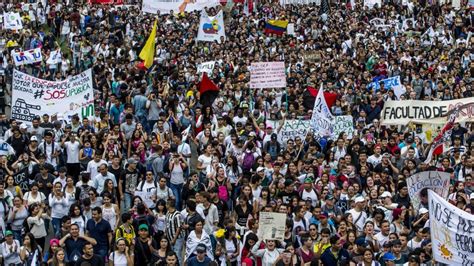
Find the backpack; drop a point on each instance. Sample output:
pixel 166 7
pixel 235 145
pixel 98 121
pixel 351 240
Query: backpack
pixel 142 183
pixel 248 161
pixel 223 193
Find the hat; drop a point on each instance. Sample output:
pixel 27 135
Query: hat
pixel 377 146
pixel 269 127
pixel 423 210
pixel 471 196
pixel 308 180
pixel 68 126
pixel 259 169
pixel 360 241
pixel 274 136
pixel 388 256
pixel 34 138
pixel 359 199
pixel 23 126
pixel 252 134
pixel 386 154
pixel 324 215
pixel 8 233
pixel 386 194
pixel 201 248
pixel 143 227
pixel 425 242
pixel 329 197
pixel 132 161
pixel 53 242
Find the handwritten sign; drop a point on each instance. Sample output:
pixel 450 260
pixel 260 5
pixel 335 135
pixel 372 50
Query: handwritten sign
pixel 271 226
pixel 6 149
pixel 264 75
pixel 147 197
pixel 452 232
pixel 343 123
pixel 207 67
pixel 434 180
pixel 21 179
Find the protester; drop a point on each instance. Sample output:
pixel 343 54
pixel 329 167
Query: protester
pixel 176 151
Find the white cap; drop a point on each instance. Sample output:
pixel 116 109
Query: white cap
pixel 23 126
pixel 385 194
pixel 359 199
pixel 260 169
pixel 33 138
pixel 471 196
pixel 423 210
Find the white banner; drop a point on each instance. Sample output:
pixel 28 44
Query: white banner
pixel 430 112
pixel 153 6
pixel 271 226
pixel 54 57
pixel 207 67
pixel 264 75
pixel 211 28
pixel 452 232
pixel 322 120
pixel 299 2
pixel 343 123
pixel 33 97
pixel 435 180
pixel 292 129
pixel 12 21
pixel 371 3
pixel 28 57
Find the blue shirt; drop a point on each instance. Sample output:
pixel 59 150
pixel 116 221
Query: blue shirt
pixel 99 231
pixel 328 258
pixel 194 261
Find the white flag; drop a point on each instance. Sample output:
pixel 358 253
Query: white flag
pixel 6 149
pixel 185 133
pixel 322 119
pixel 54 57
pixel 12 21
pixel 211 28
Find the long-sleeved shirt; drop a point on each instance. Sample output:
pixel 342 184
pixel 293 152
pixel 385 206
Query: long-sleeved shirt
pixel 11 253
pixel 268 256
pixel 59 207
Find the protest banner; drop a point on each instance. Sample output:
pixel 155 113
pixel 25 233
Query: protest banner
pixel 28 57
pixel 343 123
pixel 434 180
pixel 292 129
pixel 322 120
pixel 21 179
pixel 147 197
pixel 371 3
pixel 54 57
pixel 207 67
pixel 298 2
pixel 264 75
pixel 452 232
pixel 290 29
pixel 12 21
pixel 6 149
pixel 33 97
pixel 312 56
pixel 392 83
pixel 271 226
pixel 432 112
pixel 211 28
pixel 154 6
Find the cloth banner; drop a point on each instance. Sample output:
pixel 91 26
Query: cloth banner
pixel 54 57
pixel 211 28
pixel 28 57
pixel 21 179
pixel 452 234
pixel 343 123
pixel 292 129
pixel 434 180
pixel 6 149
pixel 207 67
pixel 271 226
pixel 392 83
pixel 426 112
pixel 153 6
pixel 33 97
pixel 322 120
pixel 264 75
pixel 371 3
pixel 12 21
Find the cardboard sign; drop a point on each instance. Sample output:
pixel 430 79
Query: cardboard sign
pixel 343 123
pixel 153 6
pixel 264 75
pixel 28 57
pixel 271 226
pixel 434 180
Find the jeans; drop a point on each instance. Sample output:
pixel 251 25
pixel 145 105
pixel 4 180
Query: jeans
pixel 102 252
pixel 178 248
pixel 56 226
pixel 126 202
pixel 177 194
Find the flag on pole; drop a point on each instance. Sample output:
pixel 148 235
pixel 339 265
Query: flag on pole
pixel 185 133
pixel 322 120
pixel 443 136
pixel 148 52
pixel 208 91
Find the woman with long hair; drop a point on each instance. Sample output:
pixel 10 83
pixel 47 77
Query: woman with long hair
pixel 10 185
pixel 161 253
pixel 231 246
pixel 195 237
pixel 59 258
pixel 36 223
pixel 110 211
pixel 109 188
pixel 17 217
pixel 160 215
pixel 71 192
pixel 134 142
pixel 75 212
pixel 368 258
pixel 192 186
pixel 34 195
pixel 30 252
pixel 122 256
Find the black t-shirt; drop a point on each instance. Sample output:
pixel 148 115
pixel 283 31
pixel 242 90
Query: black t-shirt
pixel 241 215
pixel 221 209
pixel 287 196
pixel 143 252
pixel 94 260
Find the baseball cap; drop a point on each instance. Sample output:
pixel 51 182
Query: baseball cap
pixel 201 248
pixel 23 126
pixel 471 196
pixel 34 138
pixel 423 210
pixel 260 169
pixel 8 233
pixel 324 215
pixel 388 256
pixel 361 242
pixel 359 199
pixel 308 180
pixel 54 242
pixel 329 197
pixel 386 194
pixel 132 161
pixel 143 227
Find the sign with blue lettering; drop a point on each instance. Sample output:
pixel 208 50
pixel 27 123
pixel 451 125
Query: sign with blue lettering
pixel 28 57
pixel 6 149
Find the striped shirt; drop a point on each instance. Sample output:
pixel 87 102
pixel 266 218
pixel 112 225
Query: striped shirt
pixel 173 223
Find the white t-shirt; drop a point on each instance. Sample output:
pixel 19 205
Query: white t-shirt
pixel 72 151
pixel 205 161
pixel 92 167
pixel 359 222
pixel 119 259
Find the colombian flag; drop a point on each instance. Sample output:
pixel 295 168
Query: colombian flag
pixel 148 52
pixel 277 27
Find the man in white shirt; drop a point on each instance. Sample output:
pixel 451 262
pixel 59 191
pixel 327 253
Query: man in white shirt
pixel 93 166
pixel 99 179
pixel 72 151
pixel 359 216
pixel 375 158
pixel 382 236
pixel 50 149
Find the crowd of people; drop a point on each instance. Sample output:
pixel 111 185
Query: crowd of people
pixel 129 185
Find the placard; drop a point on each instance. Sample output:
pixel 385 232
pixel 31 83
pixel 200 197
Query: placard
pixel 6 149
pixel 21 179
pixel 27 57
pixel 211 28
pixel 147 197
pixel 452 232
pixel 271 226
pixel 434 180
pixel 292 129
pixel 264 75
pixel 432 112
pixel 12 21
pixel 153 6
pixel 207 67
pixel 33 97
pixel 343 123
